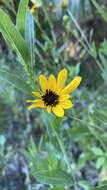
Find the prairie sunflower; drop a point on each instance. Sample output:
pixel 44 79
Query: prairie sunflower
pixel 36 4
pixel 53 95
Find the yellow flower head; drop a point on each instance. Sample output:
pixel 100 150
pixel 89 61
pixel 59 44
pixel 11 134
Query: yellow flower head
pixel 53 95
pixel 34 9
pixel 36 5
pixel 65 3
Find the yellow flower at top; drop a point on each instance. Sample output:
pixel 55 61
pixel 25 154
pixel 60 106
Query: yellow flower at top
pixel 36 5
pixel 53 94
pixel 65 3
pixel 34 9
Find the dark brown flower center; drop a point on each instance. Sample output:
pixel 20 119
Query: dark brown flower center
pixel 50 98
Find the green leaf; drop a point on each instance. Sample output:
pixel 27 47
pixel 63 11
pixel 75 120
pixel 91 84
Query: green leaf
pixel 21 16
pixel 15 81
pixel 84 184
pixel 100 188
pixel 93 50
pixel 32 147
pixel 57 123
pixel 100 9
pixel 52 156
pixel 100 162
pixel 2 140
pixel 14 38
pixel 103 47
pixel 103 60
pixel 55 177
pixel 78 132
pixel 29 35
pixel 97 151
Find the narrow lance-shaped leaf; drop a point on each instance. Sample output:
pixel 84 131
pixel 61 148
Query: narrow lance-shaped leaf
pixel 21 16
pixel 29 35
pixel 55 177
pixel 100 9
pixel 15 81
pixel 15 39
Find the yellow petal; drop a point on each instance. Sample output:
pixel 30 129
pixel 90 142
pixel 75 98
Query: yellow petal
pixel 72 85
pixel 32 106
pixel 64 97
pixel 58 111
pixel 38 104
pixel 61 79
pixel 49 109
pixel 43 83
pixel 52 83
pixel 66 104
pixel 30 101
pixel 36 94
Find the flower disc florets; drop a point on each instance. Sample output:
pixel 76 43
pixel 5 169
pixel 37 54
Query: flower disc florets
pixel 50 98
pixel 53 94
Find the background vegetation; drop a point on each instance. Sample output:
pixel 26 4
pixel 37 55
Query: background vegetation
pixel 70 34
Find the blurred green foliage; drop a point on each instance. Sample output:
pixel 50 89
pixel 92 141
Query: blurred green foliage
pixel 63 37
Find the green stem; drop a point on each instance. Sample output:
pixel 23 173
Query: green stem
pixel 31 76
pixel 63 152
pixel 51 126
